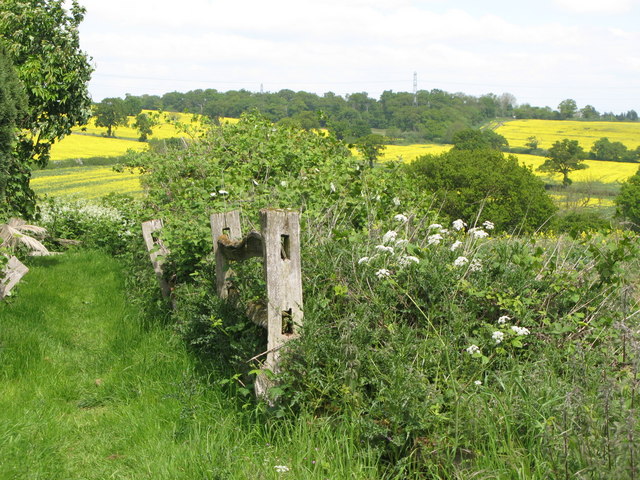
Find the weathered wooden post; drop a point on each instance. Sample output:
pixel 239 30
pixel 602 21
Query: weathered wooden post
pixel 282 267
pixel 157 252
pixel 224 224
pixel 13 271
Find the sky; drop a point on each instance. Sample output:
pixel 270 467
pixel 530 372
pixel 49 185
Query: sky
pixel 541 51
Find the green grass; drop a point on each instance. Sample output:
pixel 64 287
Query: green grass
pixel 90 391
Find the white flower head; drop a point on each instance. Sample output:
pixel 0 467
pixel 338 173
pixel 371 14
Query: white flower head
pixel 503 319
pixel 332 187
pixel 498 336
pixel 396 201
pixel 434 239
pixel 213 194
pixel 488 225
pixel 475 265
pixel 223 192
pixel 458 224
pixel 401 242
pixel 520 330
pixel 460 262
pixel 444 231
pixel 281 468
pixel 364 260
pixel 390 236
pixel 400 218
pixel 455 245
pixel 384 248
pixel 435 226
pixel 473 349
pixel 478 233
pixel 382 273
pixel 478 382
pixel 408 259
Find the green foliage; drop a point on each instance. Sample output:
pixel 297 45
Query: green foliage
pixel 111 113
pixel 577 222
pixel 604 149
pixel 484 183
pixel 144 123
pixel 470 139
pixel 564 157
pixel 628 200
pixel 12 109
pixel 41 38
pixel 371 146
pixel 567 108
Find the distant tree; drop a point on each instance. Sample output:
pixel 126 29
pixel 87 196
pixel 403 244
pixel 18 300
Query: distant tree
pixel 13 103
pixel 472 139
pixel 42 40
pixel 144 123
pixel 466 182
pixel 628 200
pixel 589 113
pixel 567 108
pixel 604 149
pixel 111 113
pixel 507 104
pixel 564 157
pixel 532 142
pixel 132 105
pixel 370 147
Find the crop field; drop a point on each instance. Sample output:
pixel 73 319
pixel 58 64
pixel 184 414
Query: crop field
pixel 408 153
pixel 586 133
pixel 605 172
pixel 85 182
pixel 76 146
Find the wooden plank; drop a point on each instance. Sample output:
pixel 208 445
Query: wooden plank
pixel 227 224
pixel 157 252
pixel 13 271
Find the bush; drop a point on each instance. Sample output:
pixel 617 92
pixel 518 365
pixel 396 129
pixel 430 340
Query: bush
pixel 581 221
pixel 628 201
pixel 485 183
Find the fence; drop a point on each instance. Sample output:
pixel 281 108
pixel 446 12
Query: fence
pixel 278 243
pixel 13 271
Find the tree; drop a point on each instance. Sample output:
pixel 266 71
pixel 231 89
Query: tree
pixel 111 113
pixel 564 157
pixel 12 110
pixel 486 182
pixel 588 112
pixel 604 149
pixel 370 147
pixel 471 139
pixel 144 124
pixel 532 142
pixel 628 200
pixel 41 38
pixel 567 108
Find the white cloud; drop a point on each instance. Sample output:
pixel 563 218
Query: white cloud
pixel 597 6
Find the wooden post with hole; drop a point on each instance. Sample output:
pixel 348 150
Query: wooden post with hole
pixel 13 271
pixel 157 252
pixel 227 224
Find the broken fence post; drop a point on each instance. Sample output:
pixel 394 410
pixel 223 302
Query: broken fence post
pixel 224 224
pixel 13 271
pixel 157 252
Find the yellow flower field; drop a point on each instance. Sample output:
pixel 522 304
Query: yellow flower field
pixel 76 146
pixel 586 133
pixel 408 153
pixel 605 172
pixel 85 182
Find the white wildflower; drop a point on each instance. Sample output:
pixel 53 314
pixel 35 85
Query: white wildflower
pixel 213 194
pixel 488 225
pixel 520 330
pixel 377 198
pixel 396 201
pixel 255 182
pixel 281 468
pixel 434 226
pixel 402 242
pixel 458 224
pixel 444 231
pixel 390 236
pixel 332 187
pixel 473 349
pixel 478 233
pixel 400 218
pixel 475 265
pixel 434 239
pixel 455 245
pixel 407 259
pixel 223 192
pixel 384 248
pixel 460 261
pixel 498 336
pixel 283 183
pixel 478 382
pixel 382 273
pixel 363 260
pixel 503 319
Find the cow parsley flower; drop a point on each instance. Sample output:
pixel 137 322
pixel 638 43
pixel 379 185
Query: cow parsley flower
pixel 460 262
pixel 455 245
pixel 396 201
pixel 503 319
pixel 407 260
pixel 458 224
pixel 473 349
pixel 213 194
pixel 283 183
pixel 520 330
pixel 382 273
pixel 434 239
pixel 435 226
pixel 363 260
pixel 488 225
pixel 401 242
pixel 390 236
pixel 400 218
pixel 384 248
pixel 281 468
pixel 498 336
pixel 478 382
pixel 475 265
pixel 478 233
pixel 223 192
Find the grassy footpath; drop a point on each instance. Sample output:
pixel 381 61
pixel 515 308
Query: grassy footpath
pixel 89 391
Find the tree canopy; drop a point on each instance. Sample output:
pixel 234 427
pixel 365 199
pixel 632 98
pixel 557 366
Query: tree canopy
pixel 628 200
pixel 111 113
pixel 42 40
pixel 564 157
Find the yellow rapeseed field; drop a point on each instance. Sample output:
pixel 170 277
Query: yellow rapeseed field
pixel 408 153
pixel 605 172
pixel 85 182
pixel 76 146
pixel 586 133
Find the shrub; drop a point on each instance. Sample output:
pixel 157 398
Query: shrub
pixel 628 200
